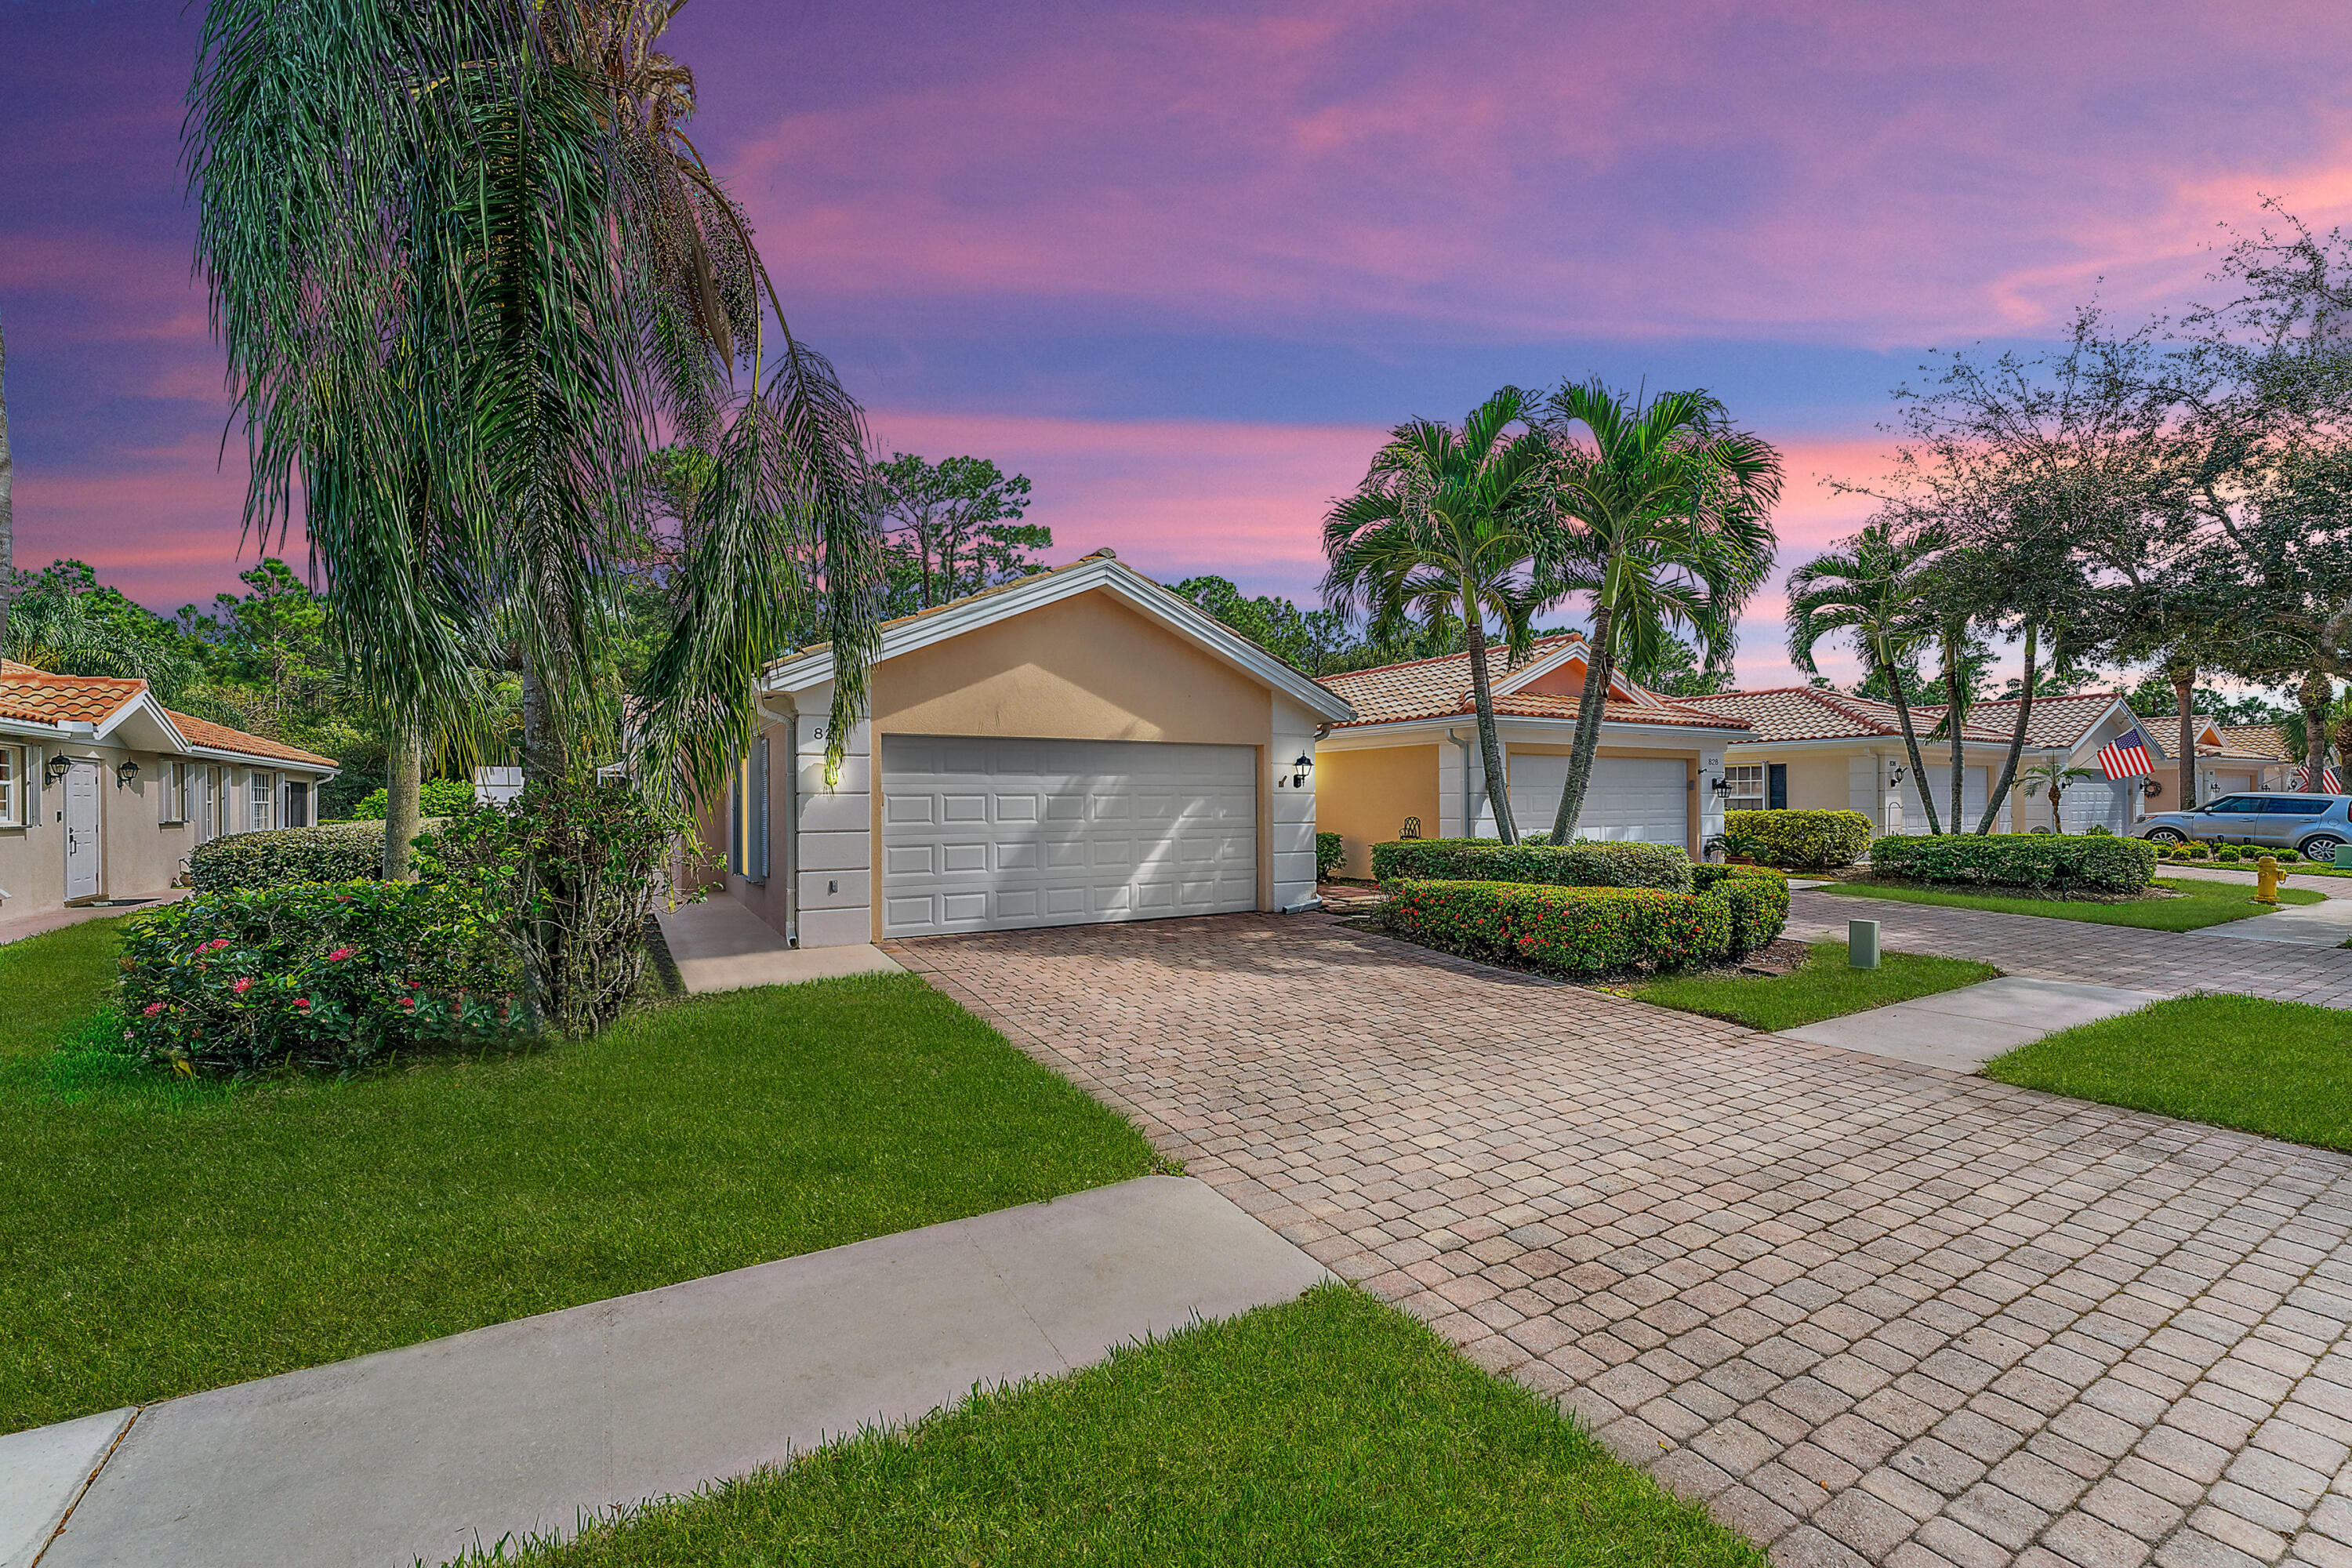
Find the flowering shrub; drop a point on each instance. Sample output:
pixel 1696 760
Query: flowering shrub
pixel 1583 864
pixel 327 976
pixel 1564 930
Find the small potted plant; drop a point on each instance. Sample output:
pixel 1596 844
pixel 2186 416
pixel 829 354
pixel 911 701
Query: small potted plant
pixel 1737 849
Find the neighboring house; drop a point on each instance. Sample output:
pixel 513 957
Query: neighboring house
pixel 2232 757
pixel 1079 745
pixel 104 792
pixel 1816 750
pixel 1411 754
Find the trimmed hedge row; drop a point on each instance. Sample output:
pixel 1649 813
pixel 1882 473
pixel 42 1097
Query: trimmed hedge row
pixel 1586 863
pixel 1587 930
pixel 1803 840
pixel 284 856
pixel 2089 863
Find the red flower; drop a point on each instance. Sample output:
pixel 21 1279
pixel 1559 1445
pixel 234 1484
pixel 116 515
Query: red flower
pixel 303 1003
pixel 152 1008
pixel 340 954
pixel 216 943
pixel 409 1003
pixel 244 984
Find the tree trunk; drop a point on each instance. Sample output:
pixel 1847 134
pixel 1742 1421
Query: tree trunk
pixel 7 503
pixel 1910 741
pixel 403 795
pixel 1999 792
pixel 2184 702
pixel 2317 693
pixel 1590 705
pixel 1953 718
pixel 1490 748
pixel 543 758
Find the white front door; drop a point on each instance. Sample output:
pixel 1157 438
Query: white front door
pixel 991 834
pixel 1643 799
pixel 81 832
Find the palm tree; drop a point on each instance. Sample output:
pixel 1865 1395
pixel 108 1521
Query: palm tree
pixel 1441 527
pixel 7 498
pixel 2055 777
pixel 470 272
pixel 1662 519
pixel 1872 591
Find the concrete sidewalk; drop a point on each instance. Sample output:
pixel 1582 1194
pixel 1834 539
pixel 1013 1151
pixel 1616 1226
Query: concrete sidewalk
pixel 1961 1030
pixel 719 945
pixel 2326 924
pixel 515 1429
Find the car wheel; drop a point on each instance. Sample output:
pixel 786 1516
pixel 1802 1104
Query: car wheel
pixel 2165 835
pixel 2320 847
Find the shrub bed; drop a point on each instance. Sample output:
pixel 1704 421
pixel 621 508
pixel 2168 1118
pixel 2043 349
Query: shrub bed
pixel 437 797
pixel 1562 930
pixel 284 856
pixel 1758 897
pixel 2045 860
pixel 1803 840
pixel 1329 851
pixel 1584 864
pixel 328 976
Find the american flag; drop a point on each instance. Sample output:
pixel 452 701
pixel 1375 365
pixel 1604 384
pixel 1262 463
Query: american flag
pixel 2328 782
pixel 2126 757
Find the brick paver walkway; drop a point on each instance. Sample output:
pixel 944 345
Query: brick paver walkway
pixel 1869 1311
pixel 2161 960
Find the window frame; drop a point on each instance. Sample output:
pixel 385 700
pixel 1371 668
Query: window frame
pixel 260 800
pixel 15 806
pixel 173 804
pixel 1737 798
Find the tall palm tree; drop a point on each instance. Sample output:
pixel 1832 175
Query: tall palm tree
pixel 1442 526
pixel 1662 518
pixel 7 498
pixel 1872 590
pixel 470 271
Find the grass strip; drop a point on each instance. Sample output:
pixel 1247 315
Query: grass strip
pixel 2283 1070
pixel 2201 903
pixel 1823 987
pixel 48 983
pixel 169 1236
pixel 1328 1430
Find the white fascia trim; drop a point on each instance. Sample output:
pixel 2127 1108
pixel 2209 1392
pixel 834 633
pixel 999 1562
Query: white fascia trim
pixel 1508 726
pixel 267 765
pixel 1177 615
pixel 1876 742
pixel 1575 652
pixel 145 701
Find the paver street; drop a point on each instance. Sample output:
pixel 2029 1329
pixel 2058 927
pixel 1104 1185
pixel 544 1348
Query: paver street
pixel 1870 1312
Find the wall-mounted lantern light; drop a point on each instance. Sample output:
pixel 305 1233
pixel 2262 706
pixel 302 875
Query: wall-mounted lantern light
pixel 58 767
pixel 1895 776
pixel 1298 772
pixel 1721 786
pixel 125 772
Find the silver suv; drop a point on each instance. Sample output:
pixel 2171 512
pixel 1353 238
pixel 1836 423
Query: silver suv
pixel 2314 823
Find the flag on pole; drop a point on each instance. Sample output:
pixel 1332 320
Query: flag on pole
pixel 2125 756
pixel 2328 781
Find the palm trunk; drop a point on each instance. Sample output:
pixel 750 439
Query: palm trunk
pixel 7 503
pixel 1953 718
pixel 543 759
pixel 1590 704
pixel 2184 702
pixel 2314 696
pixel 1490 747
pixel 403 795
pixel 1910 741
pixel 1999 792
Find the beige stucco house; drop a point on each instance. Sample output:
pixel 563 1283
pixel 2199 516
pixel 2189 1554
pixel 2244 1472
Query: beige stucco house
pixel 104 792
pixel 1410 758
pixel 1079 745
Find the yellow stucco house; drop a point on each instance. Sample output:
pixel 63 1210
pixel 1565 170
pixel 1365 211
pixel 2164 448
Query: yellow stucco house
pixel 1409 758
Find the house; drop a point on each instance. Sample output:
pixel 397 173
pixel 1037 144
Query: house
pixel 1078 745
pixel 104 792
pixel 2232 757
pixel 1410 756
pixel 1820 750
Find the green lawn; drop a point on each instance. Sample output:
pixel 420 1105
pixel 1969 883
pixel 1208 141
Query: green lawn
pixel 2280 1068
pixel 49 982
pixel 167 1237
pixel 2203 903
pixel 1825 987
pixel 1330 1430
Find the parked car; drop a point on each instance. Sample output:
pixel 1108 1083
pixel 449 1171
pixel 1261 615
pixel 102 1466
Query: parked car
pixel 2317 824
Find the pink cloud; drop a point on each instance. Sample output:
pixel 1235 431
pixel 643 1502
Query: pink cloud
pixel 163 526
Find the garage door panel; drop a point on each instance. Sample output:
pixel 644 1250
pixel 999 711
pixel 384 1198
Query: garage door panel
pixel 1076 831
pixel 1631 799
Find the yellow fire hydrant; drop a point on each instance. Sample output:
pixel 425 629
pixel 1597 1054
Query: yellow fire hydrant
pixel 2266 880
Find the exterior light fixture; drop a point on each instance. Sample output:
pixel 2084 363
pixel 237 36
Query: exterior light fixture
pixel 58 768
pixel 1894 776
pixel 1298 772
pixel 1721 786
pixel 125 772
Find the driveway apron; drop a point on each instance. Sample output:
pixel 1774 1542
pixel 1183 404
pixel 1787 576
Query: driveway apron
pixel 1870 1312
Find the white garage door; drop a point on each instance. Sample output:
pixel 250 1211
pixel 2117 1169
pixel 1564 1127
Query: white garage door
pixel 2104 802
pixel 987 835
pixel 1634 798
pixel 1974 782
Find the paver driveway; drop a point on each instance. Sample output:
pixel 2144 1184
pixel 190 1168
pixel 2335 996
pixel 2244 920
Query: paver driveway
pixel 1870 1312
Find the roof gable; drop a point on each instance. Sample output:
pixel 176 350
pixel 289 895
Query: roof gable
pixel 1441 688
pixel 104 707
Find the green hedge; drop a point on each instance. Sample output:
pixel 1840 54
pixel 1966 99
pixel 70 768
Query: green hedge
pixel 327 976
pixel 1329 851
pixel 1583 864
pixel 2058 862
pixel 1560 929
pixel 285 857
pixel 1758 900
pixel 439 797
pixel 1803 840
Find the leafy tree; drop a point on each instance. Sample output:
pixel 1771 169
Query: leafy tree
pixel 1874 591
pixel 2152 698
pixel 1441 529
pixel 7 500
pixel 953 527
pixel 1314 640
pixel 1674 669
pixel 1659 516
pixel 66 621
pixel 2053 777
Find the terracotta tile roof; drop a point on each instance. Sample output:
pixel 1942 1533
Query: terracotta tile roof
pixel 2055 721
pixel 1438 688
pixel 49 699
pixel 220 738
pixel 1810 713
pixel 2254 741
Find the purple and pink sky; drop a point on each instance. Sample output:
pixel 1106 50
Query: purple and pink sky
pixel 1183 264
